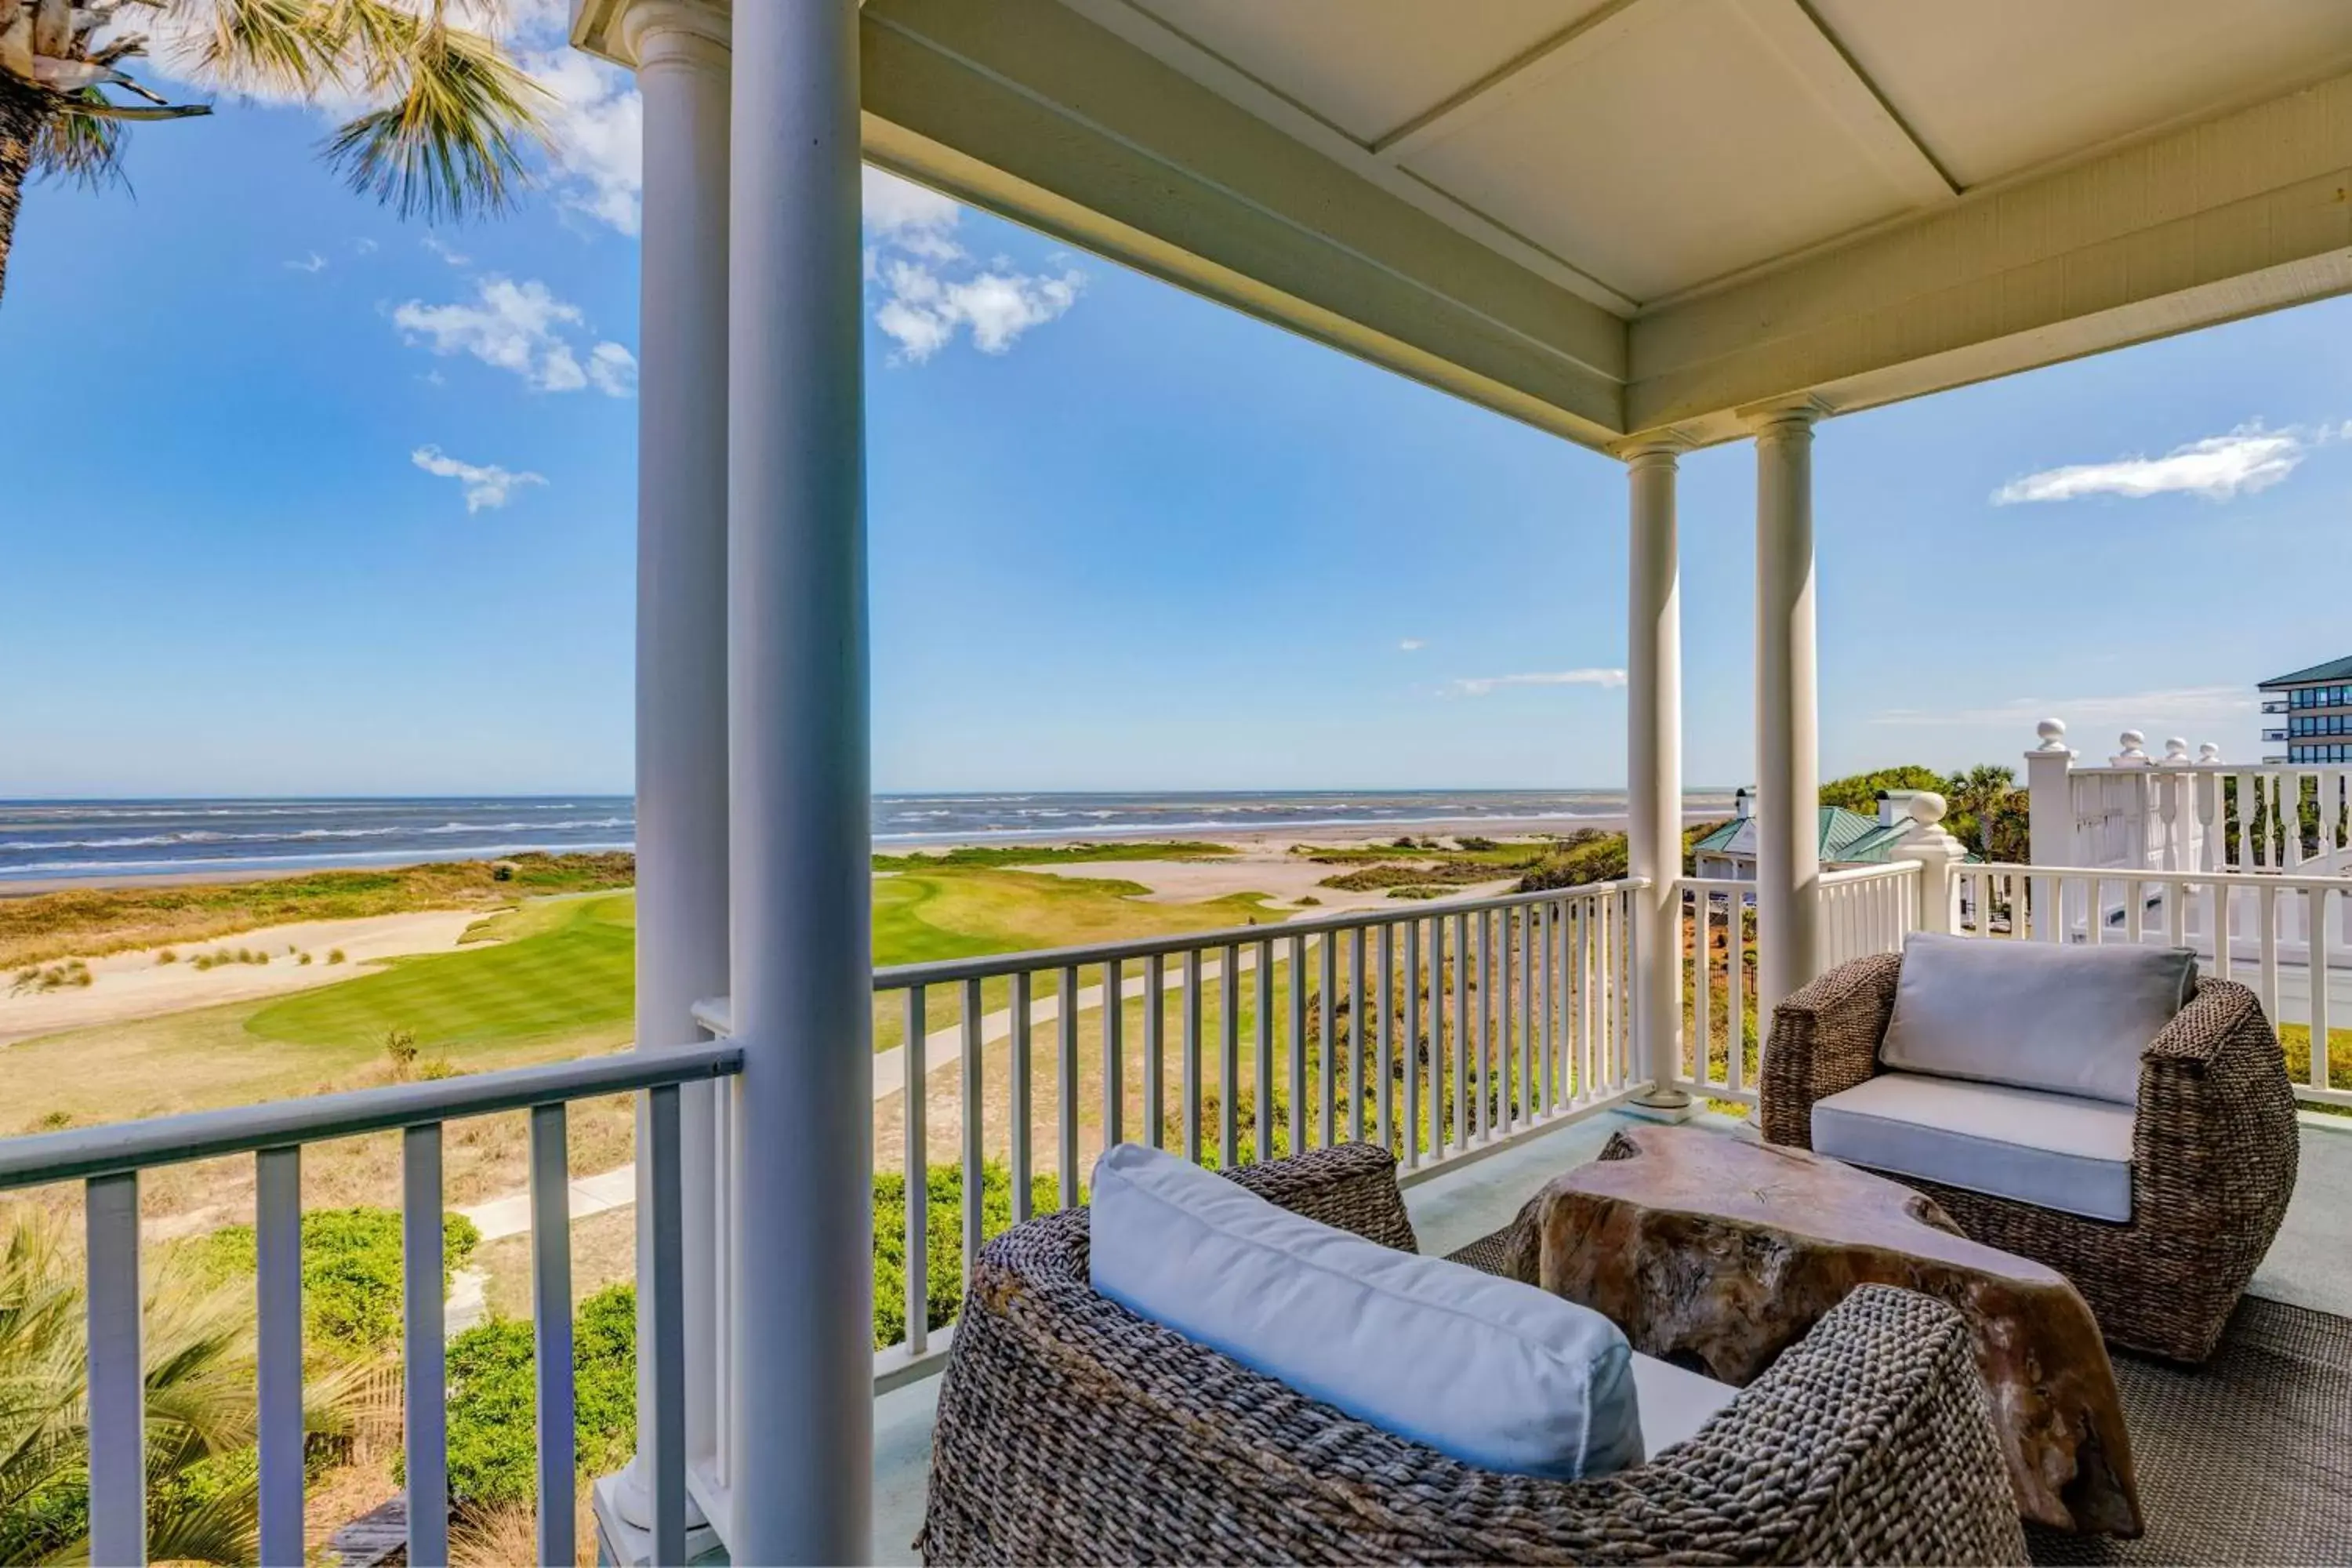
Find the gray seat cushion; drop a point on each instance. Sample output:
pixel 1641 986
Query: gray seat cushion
pixel 1674 1402
pixel 2054 1151
pixel 2031 1015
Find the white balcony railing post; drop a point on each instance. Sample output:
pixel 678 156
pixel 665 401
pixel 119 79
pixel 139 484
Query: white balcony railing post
pixel 2050 793
pixel 1926 843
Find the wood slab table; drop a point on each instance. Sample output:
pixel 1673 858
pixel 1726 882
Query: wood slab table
pixel 1718 1253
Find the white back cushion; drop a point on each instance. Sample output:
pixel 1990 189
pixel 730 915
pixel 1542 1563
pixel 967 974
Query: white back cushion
pixel 2034 1015
pixel 1495 1373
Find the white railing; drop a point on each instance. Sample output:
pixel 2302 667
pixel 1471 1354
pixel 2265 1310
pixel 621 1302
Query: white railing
pixel 1720 1024
pixel 108 1161
pixel 2270 930
pixel 2172 814
pixel 1444 1032
pixel 1866 910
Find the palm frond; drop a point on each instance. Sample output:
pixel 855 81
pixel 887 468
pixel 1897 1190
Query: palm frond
pixel 84 150
pixel 449 144
pixel 289 45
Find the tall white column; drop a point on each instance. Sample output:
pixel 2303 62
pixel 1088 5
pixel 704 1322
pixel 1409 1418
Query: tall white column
pixel 1653 763
pixel 680 49
pixel 802 1382
pixel 1788 759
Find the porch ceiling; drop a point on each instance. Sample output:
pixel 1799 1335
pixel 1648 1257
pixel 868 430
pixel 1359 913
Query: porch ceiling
pixel 1614 216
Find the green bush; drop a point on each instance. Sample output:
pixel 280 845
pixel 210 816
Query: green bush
pixel 350 1271
pixel 493 1443
pixel 942 1239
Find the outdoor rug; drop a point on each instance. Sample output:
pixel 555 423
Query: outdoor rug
pixel 2246 1459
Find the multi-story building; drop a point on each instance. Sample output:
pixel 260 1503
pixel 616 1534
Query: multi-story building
pixel 2316 704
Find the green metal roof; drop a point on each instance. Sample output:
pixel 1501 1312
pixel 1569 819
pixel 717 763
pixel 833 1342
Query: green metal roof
pixel 1847 837
pixel 2334 670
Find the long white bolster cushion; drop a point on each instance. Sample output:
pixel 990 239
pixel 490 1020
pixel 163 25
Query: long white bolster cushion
pixel 1492 1373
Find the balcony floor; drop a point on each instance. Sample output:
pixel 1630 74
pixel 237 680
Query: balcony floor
pixel 2309 1266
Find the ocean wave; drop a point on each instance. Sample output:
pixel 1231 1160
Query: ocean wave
pixel 266 862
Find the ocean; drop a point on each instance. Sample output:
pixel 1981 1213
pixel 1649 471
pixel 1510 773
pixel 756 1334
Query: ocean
pixel 99 840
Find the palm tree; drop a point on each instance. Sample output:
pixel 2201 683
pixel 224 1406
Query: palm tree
pixel 1976 797
pixel 203 1500
pixel 452 111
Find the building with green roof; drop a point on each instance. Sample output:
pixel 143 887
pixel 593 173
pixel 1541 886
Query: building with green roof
pixel 1848 837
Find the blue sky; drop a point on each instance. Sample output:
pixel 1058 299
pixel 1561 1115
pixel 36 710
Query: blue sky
pixel 329 503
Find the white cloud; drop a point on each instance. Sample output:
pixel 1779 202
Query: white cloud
pixel 1412 645
pixel 595 124
pixel 314 263
pixel 485 484
pixel 363 246
pixel 928 288
pixel 442 249
pixel 2150 711
pixel 2218 468
pixel 1480 685
pixel 523 328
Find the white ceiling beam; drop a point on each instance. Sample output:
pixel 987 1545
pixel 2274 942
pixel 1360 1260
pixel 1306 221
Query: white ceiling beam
pixel 1522 74
pixel 1163 42
pixel 2237 215
pixel 1027 109
pixel 1838 83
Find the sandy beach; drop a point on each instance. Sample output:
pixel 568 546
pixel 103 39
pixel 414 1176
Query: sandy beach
pixel 126 985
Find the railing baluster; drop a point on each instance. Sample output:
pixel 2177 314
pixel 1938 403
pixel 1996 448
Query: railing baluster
pixel 1017 1160
pixel 1155 1068
pixel 1229 1066
pixel 2266 911
pixel 1411 1046
pixel 975 1124
pixel 1327 1102
pixel 1436 1050
pixel 551 1328
pixel 916 1098
pixel 1541 917
pixel 1298 1044
pixel 1359 996
pixel 277 1349
pixel 116 1380
pixel 1191 1088
pixel 1114 1067
pixel 1461 1089
pixel 668 1423
pixel 1384 1095
pixel 1488 1025
pixel 1701 973
pixel 1520 1106
pixel 2315 960
pixel 1263 1033
pixel 424 1362
pixel 1065 1091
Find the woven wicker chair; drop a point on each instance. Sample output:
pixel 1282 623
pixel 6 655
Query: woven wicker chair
pixel 2213 1155
pixel 1070 1430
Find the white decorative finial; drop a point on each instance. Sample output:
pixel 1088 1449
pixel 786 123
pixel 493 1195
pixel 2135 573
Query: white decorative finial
pixel 2209 753
pixel 2134 752
pixel 2176 751
pixel 2052 733
pixel 1927 807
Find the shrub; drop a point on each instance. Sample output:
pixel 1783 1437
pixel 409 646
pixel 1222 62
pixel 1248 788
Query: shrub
pixel 400 1049
pixel 492 1445
pixel 943 1238
pixel 334 955
pixel 167 957
pixel 350 1271
pixel 304 959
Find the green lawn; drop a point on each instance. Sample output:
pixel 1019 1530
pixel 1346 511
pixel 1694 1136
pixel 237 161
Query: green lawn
pixel 564 967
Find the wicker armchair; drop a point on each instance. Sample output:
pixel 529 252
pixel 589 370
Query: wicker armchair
pixel 1069 1430
pixel 2213 1155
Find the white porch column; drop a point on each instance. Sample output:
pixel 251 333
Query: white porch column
pixel 1653 763
pixel 803 1364
pixel 1788 770
pixel 680 50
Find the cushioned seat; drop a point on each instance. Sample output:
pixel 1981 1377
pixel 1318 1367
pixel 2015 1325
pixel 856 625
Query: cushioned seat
pixel 2055 1151
pixel 1673 1402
